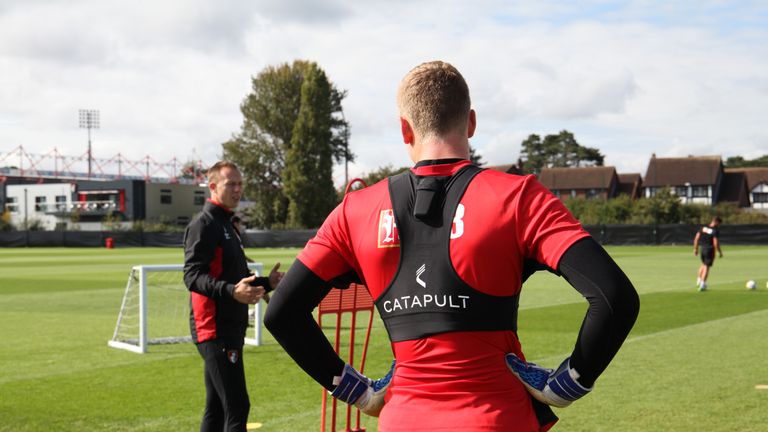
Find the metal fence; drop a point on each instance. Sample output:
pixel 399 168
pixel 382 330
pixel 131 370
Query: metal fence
pixel 605 234
pixel 139 239
pixel 671 234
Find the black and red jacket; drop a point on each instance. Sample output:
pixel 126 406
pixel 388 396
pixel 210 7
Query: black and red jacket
pixel 214 262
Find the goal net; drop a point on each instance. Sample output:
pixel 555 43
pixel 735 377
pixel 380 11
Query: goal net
pixel 155 309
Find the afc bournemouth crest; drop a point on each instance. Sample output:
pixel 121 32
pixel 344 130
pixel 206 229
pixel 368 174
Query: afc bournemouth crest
pixel 233 355
pixel 387 236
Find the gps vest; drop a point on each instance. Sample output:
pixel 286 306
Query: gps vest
pixel 426 296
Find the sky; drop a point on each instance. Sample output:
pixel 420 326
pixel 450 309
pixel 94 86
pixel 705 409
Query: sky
pixel 631 78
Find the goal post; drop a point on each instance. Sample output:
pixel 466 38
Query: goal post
pixel 155 309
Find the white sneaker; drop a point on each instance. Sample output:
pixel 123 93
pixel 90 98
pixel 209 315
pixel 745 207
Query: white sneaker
pixel 703 286
pixel 698 282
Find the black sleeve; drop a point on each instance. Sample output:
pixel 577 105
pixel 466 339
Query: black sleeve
pixel 289 318
pixel 613 306
pixel 200 243
pixel 531 266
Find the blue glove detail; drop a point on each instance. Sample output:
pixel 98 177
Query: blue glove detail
pixel 553 387
pixel 355 388
pixel 350 385
pixel 383 382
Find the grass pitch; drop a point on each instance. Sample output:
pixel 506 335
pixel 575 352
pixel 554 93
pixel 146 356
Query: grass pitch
pixel 694 361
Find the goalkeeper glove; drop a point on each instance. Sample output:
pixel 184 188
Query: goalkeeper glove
pixel 366 394
pixel 553 387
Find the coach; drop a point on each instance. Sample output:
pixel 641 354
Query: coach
pixel 221 288
pixel 444 249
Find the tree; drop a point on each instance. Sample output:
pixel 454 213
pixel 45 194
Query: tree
pixel 662 208
pixel 5 221
pixel 270 115
pixel 475 157
pixel 308 171
pixel 740 162
pixel 561 150
pixel 376 176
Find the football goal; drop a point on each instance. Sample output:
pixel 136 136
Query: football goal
pixel 155 309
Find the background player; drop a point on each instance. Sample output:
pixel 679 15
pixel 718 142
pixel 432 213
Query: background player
pixel 706 242
pixel 446 282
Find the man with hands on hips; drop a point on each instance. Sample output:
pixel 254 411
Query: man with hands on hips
pixel 444 249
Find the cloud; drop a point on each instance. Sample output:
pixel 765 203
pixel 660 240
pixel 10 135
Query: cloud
pixel 630 78
pixel 302 12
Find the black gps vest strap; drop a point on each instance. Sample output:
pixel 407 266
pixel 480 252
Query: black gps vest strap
pixel 426 296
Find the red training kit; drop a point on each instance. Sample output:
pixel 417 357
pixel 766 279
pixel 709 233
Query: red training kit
pixel 453 380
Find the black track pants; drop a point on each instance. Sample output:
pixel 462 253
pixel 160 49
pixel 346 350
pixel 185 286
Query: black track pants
pixel 226 397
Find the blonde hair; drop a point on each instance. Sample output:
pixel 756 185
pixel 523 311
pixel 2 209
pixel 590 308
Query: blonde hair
pixel 434 98
pixel 215 169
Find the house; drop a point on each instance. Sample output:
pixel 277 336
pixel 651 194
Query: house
pixel 699 180
pixel 695 179
pixel 756 183
pixel 586 182
pixel 630 184
pixel 734 188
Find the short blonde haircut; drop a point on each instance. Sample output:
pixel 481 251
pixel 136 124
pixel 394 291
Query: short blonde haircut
pixel 213 171
pixel 434 98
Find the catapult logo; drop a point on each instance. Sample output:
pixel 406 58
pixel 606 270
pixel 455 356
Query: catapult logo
pixel 420 272
pixel 425 301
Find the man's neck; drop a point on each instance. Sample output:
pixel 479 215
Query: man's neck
pixel 219 204
pixel 450 147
